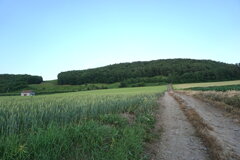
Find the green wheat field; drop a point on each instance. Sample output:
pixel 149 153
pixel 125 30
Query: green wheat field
pixel 103 124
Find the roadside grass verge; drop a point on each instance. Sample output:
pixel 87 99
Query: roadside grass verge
pixel 228 101
pixel 224 95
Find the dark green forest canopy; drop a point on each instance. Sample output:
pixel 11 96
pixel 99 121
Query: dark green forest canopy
pixel 169 70
pixel 11 82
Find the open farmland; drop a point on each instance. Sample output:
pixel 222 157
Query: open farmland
pixel 226 92
pixel 206 84
pixel 217 88
pixel 102 124
pixel 118 124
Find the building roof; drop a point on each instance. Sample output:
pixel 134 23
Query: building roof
pixel 27 91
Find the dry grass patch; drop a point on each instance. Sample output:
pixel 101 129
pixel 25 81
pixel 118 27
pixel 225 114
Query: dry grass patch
pixel 205 84
pixel 228 101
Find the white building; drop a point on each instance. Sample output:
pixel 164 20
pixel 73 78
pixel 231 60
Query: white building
pixel 28 93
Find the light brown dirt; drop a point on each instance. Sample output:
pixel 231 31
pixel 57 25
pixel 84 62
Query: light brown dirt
pixel 224 129
pixel 206 96
pixel 178 140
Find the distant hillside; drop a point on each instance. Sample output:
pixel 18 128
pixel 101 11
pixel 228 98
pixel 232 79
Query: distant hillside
pixel 167 70
pixel 11 82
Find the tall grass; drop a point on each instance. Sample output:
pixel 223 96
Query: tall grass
pixel 82 125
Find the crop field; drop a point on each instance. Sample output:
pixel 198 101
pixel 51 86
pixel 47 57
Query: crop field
pixel 103 124
pixel 217 88
pixel 50 87
pixel 206 84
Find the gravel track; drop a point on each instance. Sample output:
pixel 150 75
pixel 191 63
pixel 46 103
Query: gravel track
pixel 225 129
pixel 178 140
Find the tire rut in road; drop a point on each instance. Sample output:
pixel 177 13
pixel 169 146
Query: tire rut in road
pixel 225 130
pixel 178 139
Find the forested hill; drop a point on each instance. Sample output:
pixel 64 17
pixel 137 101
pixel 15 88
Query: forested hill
pixel 167 70
pixel 11 82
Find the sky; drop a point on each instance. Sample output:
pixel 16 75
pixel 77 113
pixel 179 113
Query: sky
pixel 46 37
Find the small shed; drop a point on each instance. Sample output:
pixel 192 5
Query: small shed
pixel 28 93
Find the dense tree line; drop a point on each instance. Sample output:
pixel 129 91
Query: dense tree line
pixel 170 71
pixel 11 82
pixel 142 81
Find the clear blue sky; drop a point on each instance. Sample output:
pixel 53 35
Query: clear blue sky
pixel 45 37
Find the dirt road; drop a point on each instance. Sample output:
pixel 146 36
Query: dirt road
pixel 178 140
pixel 225 129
